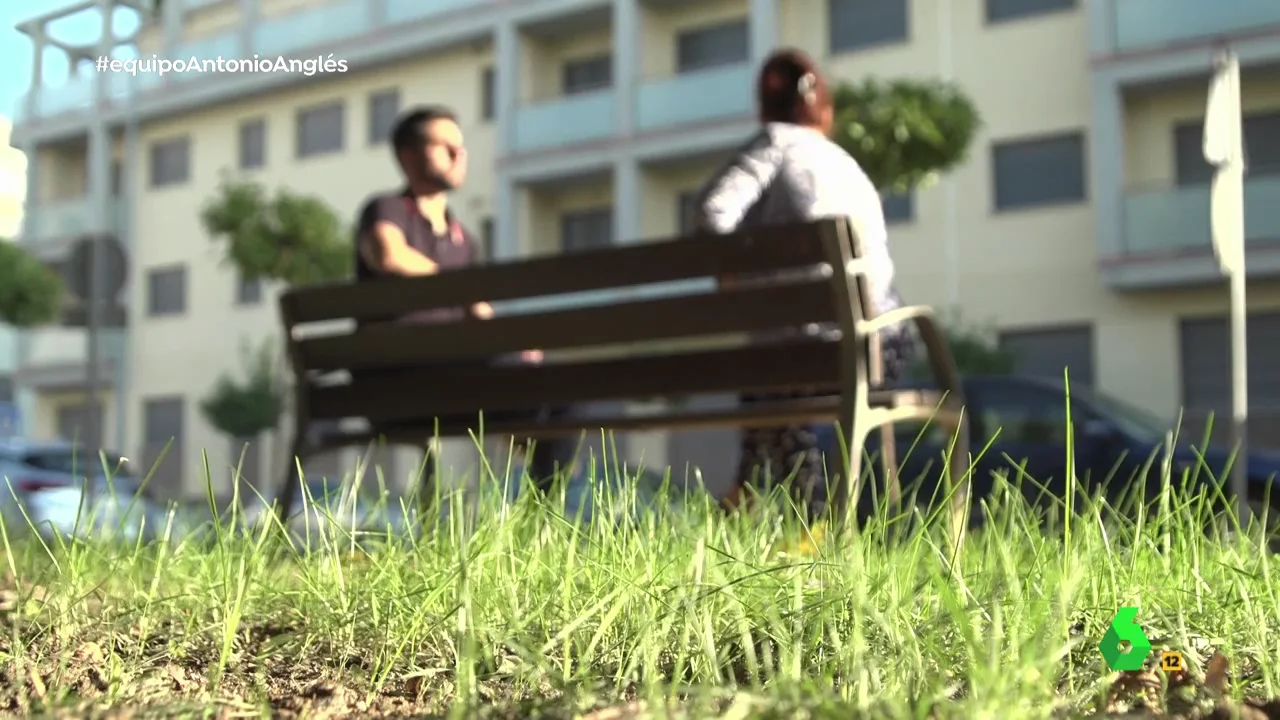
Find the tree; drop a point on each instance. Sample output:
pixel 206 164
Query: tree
pixel 31 293
pixel 284 237
pixel 247 408
pixel 904 133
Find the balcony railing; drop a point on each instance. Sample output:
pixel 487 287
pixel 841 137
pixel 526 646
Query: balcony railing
pixel 67 219
pixel 702 95
pixel 1175 221
pixel 566 120
pixel 1150 24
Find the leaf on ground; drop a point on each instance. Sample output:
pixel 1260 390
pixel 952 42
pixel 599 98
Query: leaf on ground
pixel 1215 675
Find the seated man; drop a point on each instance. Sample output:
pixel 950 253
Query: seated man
pixel 411 232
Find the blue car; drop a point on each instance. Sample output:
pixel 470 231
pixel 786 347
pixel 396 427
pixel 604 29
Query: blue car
pixel 1113 442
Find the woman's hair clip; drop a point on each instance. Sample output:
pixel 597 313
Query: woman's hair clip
pixel 806 85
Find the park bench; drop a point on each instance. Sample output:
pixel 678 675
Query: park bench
pixel 665 329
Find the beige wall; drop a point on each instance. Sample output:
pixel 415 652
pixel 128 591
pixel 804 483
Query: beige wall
pixel 44 419
pixel 545 58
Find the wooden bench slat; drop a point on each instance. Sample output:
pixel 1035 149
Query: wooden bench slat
pixel 739 310
pixel 783 411
pixel 764 250
pixel 409 394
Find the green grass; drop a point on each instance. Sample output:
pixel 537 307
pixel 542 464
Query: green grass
pixel 517 611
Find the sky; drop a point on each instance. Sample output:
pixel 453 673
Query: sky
pixel 16 52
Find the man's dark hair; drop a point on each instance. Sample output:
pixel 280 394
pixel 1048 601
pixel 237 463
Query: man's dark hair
pixel 410 129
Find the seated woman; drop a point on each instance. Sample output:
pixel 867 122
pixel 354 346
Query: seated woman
pixel 791 171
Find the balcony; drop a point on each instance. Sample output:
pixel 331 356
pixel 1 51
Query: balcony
pixel 1167 240
pixel 57 358
pixel 66 219
pixel 1150 24
pixel 699 96
pixel 566 120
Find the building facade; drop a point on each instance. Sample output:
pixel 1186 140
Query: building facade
pixel 1078 228
pixel 13 195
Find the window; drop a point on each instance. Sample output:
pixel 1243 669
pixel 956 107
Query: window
pixel 488 94
pixel 167 291
pixel 321 129
pixel 383 108
pixel 248 292
pixel 6 389
pixel 1261 148
pixel 1039 172
pixel 79 423
pixel 1005 10
pixel 487 238
pixel 587 74
pixel 1045 353
pixel 899 208
pixel 861 24
pixel 586 229
pixel 1205 354
pixel 117 176
pixel 687 212
pixel 253 144
pixel 170 162
pixel 713 45
pixel 163 432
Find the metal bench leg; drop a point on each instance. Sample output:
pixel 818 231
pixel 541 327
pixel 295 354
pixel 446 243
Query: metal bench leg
pixel 288 494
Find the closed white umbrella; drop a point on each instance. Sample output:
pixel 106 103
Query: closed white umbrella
pixel 1224 149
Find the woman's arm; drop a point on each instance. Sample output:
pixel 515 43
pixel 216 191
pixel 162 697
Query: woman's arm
pixel 726 198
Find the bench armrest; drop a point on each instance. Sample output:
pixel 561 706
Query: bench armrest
pixel 941 361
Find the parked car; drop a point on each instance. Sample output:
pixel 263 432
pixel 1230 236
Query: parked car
pixel 32 465
pixel 1112 442
pixel 112 513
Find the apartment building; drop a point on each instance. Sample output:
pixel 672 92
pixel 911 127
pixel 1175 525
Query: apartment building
pixel 1078 228
pixel 13 194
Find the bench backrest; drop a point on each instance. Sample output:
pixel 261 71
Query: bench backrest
pixel 399 370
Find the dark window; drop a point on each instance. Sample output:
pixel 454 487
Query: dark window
pixel 170 162
pixel 117 177
pixel 587 74
pixel 253 144
pixel 899 207
pixel 321 129
pixel 488 94
pixel 6 389
pixel 1003 10
pixel 714 45
pixel 248 292
pixel 861 24
pixel 383 108
pixel 167 291
pixel 686 212
pixel 1206 362
pixel 586 229
pixel 487 238
pixel 1046 353
pixel 1205 345
pixel 163 432
pixel 1261 149
pixel 1039 172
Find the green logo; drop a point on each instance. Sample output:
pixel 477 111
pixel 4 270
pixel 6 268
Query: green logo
pixel 1123 628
